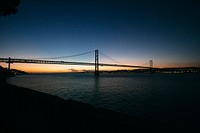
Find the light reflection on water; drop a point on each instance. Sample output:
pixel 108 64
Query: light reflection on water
pixel 160 96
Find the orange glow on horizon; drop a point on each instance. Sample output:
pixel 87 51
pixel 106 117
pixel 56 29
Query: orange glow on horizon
pixel 52 68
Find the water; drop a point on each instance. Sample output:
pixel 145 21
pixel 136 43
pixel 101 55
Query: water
pixel 166 97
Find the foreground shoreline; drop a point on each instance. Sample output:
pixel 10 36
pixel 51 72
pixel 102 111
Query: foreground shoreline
pixel 25 110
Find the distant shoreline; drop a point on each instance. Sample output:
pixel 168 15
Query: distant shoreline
pixel 170 70
pixel 145 71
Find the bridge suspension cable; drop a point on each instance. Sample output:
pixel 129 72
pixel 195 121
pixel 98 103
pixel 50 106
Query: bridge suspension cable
pixel 145 64
pixel 108 57
pixel 69 56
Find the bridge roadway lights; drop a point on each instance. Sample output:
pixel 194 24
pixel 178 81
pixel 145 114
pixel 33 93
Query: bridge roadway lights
pixel 96 73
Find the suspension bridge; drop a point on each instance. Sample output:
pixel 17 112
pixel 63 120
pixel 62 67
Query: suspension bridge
pixel 53 60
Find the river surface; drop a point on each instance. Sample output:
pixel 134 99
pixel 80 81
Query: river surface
pixel 154 96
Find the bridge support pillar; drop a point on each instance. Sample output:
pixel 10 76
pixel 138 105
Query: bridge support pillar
pixel 9 61
pixel 96 72
pixel 151 63
pixel 151 70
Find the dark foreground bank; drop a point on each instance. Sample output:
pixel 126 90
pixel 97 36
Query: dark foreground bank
pixel 24 110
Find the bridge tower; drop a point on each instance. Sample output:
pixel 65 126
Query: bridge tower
pixel 96 73
pixel 9 61
pixel 150 63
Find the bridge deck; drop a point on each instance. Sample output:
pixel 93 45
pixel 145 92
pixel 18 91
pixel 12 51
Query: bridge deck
pixel 12 60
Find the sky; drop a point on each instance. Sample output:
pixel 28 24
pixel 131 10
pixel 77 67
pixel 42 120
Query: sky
pixel 131 32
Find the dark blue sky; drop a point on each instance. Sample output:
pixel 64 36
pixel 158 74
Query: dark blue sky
pixel 131 32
